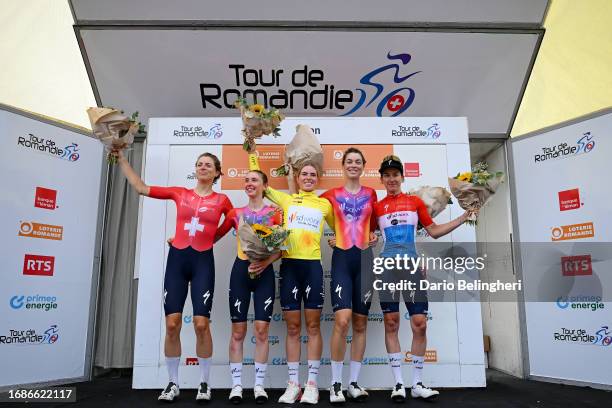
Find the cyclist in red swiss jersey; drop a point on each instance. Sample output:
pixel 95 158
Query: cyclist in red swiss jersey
pixel 190 263
pixel 398 215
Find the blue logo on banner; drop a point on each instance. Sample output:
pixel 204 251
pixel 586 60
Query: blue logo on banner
pixel 393 103
pixel 17 302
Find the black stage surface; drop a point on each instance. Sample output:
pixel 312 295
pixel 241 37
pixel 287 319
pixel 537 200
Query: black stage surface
pixel 502 391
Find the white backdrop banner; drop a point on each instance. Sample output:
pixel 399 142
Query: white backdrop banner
pixel 51 178
pixel 565 225
pixel 454 353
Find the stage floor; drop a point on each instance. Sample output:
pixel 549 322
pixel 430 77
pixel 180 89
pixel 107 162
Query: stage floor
pixel 502 391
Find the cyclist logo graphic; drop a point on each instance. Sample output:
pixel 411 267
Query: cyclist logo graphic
pixel 433 131
pixel 70 152
pixel 603 336
pixel 393 103
pixel 51 335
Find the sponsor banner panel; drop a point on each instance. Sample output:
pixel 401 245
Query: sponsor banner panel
pixel 566 280
pixel 52 179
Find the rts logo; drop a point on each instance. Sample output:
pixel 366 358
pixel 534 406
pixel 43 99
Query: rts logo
pixel 569 200
pixel 579 265
pixel 38 265
pixel 393 103
pixel 191 361
pixel 45 198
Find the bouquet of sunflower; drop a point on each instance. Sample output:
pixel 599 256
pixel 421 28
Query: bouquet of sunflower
pixel 259 241
pixel 257 121
pixel 114 129
pixel 473 189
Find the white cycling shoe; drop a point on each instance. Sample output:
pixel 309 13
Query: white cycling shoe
pixel 169 393
pixel 311 394
pixel 335 394
pixel 236 394
pixel 420 391
pixel 356 393
pixel 260 394
pixel 399 393
pixel 204 392
pixel 291 394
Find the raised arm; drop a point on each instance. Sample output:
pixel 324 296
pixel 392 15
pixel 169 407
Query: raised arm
pixel 291 181
pixel 132 178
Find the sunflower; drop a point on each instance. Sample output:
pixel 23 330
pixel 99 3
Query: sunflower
pixel 261 230
pixel 257 108
pixel 467 176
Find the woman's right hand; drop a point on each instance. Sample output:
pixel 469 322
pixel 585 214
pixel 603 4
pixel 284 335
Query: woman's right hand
pixel 252 148
pixel 332 241
pixel 117 154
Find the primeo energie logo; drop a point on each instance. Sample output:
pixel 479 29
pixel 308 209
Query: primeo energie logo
pixel 33 302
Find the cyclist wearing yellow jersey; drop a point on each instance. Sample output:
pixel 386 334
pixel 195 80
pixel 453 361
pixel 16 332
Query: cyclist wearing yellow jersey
pixel 301 275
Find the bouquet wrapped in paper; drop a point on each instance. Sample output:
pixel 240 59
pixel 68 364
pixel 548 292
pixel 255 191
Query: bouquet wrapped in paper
pixel 473 189
pixel 115 130
pixel 303 148
pixel 257 121
pixel 435 198
pixel 259 241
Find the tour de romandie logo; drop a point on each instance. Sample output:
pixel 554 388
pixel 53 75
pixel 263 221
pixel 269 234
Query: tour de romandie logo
pixel 306 89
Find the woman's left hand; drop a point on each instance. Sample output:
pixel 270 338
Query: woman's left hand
pixel 258 267
pixel 373 239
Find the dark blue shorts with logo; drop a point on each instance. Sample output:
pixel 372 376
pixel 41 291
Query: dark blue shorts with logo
pixel 351 280
pixel 184 268
pixel 416 300
pixel 301 280
pixel 242 286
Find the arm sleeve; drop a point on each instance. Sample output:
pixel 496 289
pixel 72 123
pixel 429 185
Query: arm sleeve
pixel 373 218
pixel 164 193
pixel 227 224
pixel 424 217
pixel 253 162
pixel 329 215
pixel 327 195
pixel 277 218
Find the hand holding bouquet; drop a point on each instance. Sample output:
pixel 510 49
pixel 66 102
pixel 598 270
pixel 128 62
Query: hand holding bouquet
pixel 473 189
pixel 257 121
pixel 115 130
pixel 303 148
pixel 259 242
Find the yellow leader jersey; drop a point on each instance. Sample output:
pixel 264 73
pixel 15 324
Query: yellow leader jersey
pixel 303 215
